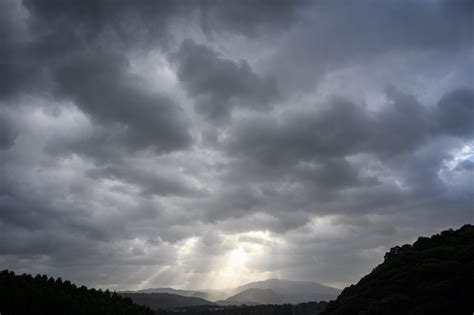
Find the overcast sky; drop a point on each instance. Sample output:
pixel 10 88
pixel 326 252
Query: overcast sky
pixel 206 144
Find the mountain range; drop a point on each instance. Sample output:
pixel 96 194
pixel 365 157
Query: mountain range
pixel 253 296
pixel 164 300
pixel 294 292
pixel 272 291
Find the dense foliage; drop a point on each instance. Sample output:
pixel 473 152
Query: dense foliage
pixel 433 276
pixel 39 295
pixel 310 308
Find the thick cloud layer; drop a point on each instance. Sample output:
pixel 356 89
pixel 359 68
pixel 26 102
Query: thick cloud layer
pixel 204 144
pixel 217 85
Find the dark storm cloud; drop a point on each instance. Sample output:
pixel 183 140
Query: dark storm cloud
pixel 250 18
pixel 456 113
pixel 15 66
pixel 343 128
pixel 100 86
pixel 65 27
pixel 342 158
pixel 339 34
pixel 467 165
pixel 338 129
pixel 401 127
pixel 24 213
pixel 415 25
pixel 150 183
pixel 143 141
pixel 79 51
pixel 218 84
pixel 8 132
pixel 333 173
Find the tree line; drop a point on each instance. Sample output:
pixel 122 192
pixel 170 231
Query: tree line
pixel 433 276
pixel 25 294
pixel 309 308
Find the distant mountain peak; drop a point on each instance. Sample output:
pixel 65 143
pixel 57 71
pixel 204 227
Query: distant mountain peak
pixel 254 296
pixel 294 291
pixel 284 281
pixel 166 290
pixel 269 291
pixel 164 300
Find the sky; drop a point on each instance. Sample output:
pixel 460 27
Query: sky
pixel 207 144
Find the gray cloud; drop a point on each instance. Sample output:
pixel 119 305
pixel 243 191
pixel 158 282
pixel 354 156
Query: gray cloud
pixel 339 159
pixel 335 130
pixel 150 183
pixel 339 34
pixel 248 17
pixel 456 113
pixel 151 143
pixel 79 52
pixel 342 128
pixel 467 165
pixel 101 88
pixel 218 84
pixel 8 133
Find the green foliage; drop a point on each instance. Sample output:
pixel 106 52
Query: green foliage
pixel 39 295
pixel 433 276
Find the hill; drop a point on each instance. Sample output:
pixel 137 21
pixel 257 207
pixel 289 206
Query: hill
pixel 433 276
pixel 164 300
pixel 165 290
pixel 253 296
pixel 211 295
pixel 207 294
pixel 294 292
pixel 39 295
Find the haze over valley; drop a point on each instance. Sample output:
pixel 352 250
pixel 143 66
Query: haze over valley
pixel 271 291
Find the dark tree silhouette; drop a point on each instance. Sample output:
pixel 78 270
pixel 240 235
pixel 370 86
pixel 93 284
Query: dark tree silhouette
pixel 24 294
pixel 309 308
pixel 433 276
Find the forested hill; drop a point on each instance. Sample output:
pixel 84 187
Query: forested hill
pixel 20 295
pixel 433 276
pixel 165 300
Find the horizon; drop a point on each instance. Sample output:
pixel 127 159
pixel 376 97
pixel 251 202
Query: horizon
pixel 230 288
pixel 209 144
